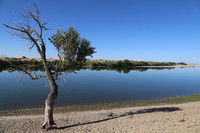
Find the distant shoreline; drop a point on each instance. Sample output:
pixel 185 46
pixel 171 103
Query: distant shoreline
pixel 181 66
pixel 125 66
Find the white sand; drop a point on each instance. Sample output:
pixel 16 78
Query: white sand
pixel 154 120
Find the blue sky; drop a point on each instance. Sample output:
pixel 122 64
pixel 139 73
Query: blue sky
pixel 149 30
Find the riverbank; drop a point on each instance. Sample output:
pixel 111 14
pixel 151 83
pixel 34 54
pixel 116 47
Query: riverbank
pixel 37 62
pixel 37 111
pixel 125 66
pixel 182 118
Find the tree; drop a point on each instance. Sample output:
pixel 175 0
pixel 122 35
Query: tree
pixel 32 30
pixel 71 47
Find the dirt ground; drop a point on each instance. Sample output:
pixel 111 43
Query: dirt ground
pixel 180 118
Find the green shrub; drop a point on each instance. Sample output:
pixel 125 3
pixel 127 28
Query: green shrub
pixel 181 63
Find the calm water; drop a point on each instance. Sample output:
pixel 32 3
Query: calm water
pixel 92 87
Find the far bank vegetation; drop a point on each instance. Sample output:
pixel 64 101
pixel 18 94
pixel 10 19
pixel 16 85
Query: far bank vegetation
pixel 36 62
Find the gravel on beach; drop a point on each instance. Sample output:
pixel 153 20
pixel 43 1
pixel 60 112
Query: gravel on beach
pixel 178 118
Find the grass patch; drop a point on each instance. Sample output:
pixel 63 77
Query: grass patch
pixel 37 111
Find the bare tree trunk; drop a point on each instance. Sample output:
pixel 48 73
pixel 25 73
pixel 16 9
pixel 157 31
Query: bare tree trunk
pixel 49 103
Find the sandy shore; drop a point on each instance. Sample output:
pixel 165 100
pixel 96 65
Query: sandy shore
pixel 180 118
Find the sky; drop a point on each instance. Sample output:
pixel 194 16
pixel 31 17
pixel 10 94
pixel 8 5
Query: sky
pixel 148 30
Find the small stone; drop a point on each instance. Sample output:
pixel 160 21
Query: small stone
pixel 182 120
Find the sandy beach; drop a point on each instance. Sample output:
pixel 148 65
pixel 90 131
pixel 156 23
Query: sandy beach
pixel 178 118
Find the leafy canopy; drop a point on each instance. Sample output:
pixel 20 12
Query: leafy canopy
pixel 71 47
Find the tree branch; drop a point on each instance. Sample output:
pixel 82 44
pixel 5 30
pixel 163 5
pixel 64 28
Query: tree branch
pixel 7 26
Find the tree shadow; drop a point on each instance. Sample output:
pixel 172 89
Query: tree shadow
pixel 131 113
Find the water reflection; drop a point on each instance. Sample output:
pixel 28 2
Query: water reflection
pixel 128 69
pixel 97 85
pixel 120 70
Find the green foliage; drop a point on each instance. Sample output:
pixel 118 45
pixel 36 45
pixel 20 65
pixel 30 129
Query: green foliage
pixel 181 63
pixel 71 44
pixel 84 50
pixel 127 63
pixel 71 47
